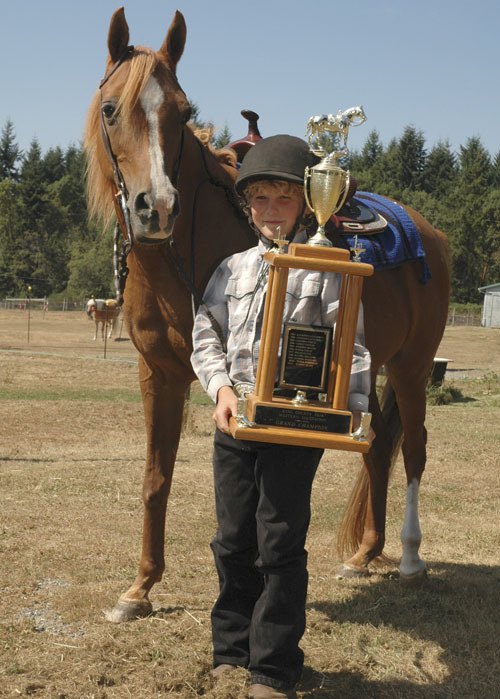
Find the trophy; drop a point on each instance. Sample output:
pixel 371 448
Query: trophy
pixel 326 184
pixel 301 390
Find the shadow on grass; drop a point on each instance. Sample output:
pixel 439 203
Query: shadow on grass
pixel 456 609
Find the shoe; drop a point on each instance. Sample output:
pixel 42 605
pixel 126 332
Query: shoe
pixel 263 691
pixel 222 669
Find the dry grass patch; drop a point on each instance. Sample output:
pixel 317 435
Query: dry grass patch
pixel 70 528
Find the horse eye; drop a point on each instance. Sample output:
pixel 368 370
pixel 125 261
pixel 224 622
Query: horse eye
pixel 108 110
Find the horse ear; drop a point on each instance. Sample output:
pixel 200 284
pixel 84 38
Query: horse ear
pixel 118 35
pixel 173 46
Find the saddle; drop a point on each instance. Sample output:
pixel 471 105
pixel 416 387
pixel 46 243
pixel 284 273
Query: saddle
pixel 356 217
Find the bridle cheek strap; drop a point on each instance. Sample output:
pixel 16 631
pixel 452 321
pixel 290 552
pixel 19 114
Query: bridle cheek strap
pixel 121 196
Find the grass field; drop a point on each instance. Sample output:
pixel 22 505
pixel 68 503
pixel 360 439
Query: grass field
pixel 71 457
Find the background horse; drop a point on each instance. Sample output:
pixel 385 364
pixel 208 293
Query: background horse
pixel 179 212
pixel 104 313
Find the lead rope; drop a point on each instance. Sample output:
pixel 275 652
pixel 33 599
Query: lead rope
pixel 120 255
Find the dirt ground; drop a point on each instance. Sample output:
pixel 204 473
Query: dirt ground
pixel 71 459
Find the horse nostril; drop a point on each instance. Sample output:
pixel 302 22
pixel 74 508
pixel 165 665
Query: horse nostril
pixel 142 203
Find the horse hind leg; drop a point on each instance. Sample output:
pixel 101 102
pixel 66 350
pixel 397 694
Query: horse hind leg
pixel 362 532
pixel 412 407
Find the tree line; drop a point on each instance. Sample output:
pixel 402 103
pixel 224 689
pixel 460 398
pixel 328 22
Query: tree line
pixel 48 243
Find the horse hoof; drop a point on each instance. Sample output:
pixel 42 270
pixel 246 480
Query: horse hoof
pixel 347 572
pixel 415 581
pixel 128 611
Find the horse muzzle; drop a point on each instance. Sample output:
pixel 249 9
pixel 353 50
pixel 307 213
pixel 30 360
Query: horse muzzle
pixel 153 221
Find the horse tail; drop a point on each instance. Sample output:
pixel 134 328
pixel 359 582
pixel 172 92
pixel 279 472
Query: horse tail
pixel 389 431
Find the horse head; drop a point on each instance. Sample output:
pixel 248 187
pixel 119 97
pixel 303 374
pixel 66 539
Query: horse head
pixel 138 103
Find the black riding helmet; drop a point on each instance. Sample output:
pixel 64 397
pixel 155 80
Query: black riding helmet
pixel 279 157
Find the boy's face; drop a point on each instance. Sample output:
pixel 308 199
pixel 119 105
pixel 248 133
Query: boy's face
pixel 274 206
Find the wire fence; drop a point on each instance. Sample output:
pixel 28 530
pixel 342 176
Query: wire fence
pixel 11 303
pixel 460 318
pixel 455 317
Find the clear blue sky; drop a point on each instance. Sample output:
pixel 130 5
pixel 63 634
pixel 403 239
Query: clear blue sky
pixel 432 64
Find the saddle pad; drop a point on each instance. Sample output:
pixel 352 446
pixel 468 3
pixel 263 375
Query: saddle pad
pixel 400 242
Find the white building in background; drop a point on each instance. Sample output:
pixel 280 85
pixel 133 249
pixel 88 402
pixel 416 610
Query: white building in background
pixel 491 306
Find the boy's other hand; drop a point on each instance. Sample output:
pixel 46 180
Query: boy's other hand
pixel 227 406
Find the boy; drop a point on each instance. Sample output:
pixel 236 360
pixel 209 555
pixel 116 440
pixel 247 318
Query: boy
pixel 263 491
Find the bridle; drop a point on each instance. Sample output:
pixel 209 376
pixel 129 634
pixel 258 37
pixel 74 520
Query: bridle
pixel 123 228
pixel 123 225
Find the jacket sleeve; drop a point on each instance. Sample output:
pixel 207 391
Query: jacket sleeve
pixel 208 359
pixel 359 386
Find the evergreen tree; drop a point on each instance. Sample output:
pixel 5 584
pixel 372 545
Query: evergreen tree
pixel 54 165
pixel 91 267
pixel 10 153
pixel 385 171
pixel 489 241
pixel 467 239
pixel 223 138
pixel 371 151
pixel 440 170
pixel 40 253
pixel 33 186
pixel 411 158
pixel 496 170
pixel 10 232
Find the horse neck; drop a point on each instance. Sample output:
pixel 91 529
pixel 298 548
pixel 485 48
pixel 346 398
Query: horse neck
pixel 210 226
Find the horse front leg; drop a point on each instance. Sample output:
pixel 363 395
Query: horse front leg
pixel 163 401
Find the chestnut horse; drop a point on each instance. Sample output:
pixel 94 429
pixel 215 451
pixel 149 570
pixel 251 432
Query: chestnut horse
pixel 175 203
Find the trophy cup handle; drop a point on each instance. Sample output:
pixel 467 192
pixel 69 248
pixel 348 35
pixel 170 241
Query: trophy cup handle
pixel 307 177
pixel 346 192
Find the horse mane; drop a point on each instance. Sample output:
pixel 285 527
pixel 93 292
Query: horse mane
pixel 100 189
pixel 225 156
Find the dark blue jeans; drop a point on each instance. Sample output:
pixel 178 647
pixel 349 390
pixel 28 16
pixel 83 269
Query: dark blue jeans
pixel 262 496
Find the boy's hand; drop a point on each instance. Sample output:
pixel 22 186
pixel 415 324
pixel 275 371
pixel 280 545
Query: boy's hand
pixel 227 406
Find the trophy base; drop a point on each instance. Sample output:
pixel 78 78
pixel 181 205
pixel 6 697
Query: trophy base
pixel 281 422
pixel 297 438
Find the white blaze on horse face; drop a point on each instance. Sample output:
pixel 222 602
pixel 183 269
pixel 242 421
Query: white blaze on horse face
pixel 163 192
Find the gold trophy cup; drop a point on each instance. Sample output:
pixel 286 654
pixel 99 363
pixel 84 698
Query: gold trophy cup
pixel 325 187
pixel 326 184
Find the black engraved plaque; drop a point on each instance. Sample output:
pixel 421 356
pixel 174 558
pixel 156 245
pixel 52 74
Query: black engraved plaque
pixel 316 421
pixel 305 357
